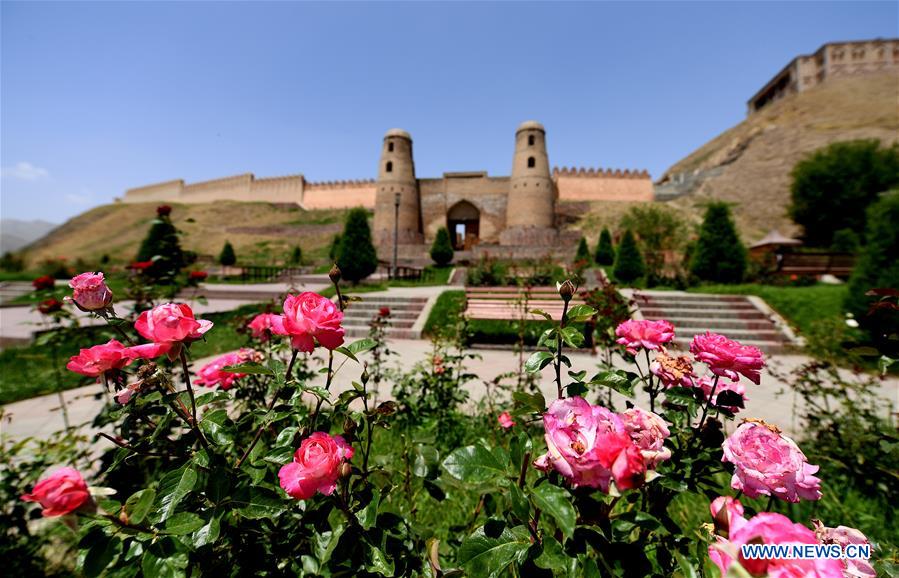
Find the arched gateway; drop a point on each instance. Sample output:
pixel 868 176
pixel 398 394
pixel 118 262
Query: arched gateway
pixel 463 221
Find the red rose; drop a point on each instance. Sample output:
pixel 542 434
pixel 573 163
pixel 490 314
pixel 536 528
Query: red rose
pixel 44 282
pixel 164 210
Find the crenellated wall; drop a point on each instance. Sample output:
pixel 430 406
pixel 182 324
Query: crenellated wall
pixel 340 194
pixel 590 184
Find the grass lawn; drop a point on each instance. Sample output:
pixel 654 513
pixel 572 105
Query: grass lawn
pixel 801 306
pixel 116 283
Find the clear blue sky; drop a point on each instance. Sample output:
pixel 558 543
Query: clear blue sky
pixel 99 97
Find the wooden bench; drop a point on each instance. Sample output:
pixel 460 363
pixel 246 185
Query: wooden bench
pixel 814 264
pixel 503 303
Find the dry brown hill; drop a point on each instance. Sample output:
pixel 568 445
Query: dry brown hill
pixel 750 163
pixel 260 232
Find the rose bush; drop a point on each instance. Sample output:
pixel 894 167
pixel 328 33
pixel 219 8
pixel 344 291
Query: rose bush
pixel 297 479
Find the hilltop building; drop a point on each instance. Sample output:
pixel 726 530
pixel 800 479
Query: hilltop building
pixel 832 60
pixel 516 212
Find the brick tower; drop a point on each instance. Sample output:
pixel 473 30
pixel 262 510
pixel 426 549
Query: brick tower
pixel 531 207
pixel 396 175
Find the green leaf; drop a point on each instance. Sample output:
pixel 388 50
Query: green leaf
pixel 101 554
pixel 362 345
pixel 554 558
pixel 248 368
pixel 615 379
pixel 369 514
pixel 378 562
pixel 217 427
pixel 348 353
pixel 183 523
pixel 138 505
pixel 537 361
pixel 473 464
pixel 556 502
pixel 172 489
pixel 529 402
pixel 208 534
pixel 580 313
pixel 257 503
pixel 325 542
pixel 688 569
pixel 573 337
pixel 486 557
pixel 542 313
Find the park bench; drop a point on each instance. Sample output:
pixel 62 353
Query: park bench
pixel 505 303
pixel 814 264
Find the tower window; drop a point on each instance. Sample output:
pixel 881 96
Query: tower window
pixel 389 167
pixel 531 162
pixel 530 140
pixel 390 147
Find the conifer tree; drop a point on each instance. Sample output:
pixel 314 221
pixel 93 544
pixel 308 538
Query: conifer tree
pixel 719 255
pixel 583 253
pixel 356 256
pixel 161 245
pixel 605 253
pixel 442 249
pixel 227 257
pixel 629 265
pixel 334 249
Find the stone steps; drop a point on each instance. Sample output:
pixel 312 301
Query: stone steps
pixel 404 313
pixel 734 316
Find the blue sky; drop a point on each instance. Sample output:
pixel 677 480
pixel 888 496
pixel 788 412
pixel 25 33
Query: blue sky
pixel 99 97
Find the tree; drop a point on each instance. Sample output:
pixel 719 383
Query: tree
pixel 356 256
pixel 833 187
pixel 161 245
pixel 227 257
pixel 583 253
pixel 877 268
pixel 605 253
pixel 334 249
pixel 659 231
pixel 442 249
pixel 718 255
pixel 628 262
pixel 845 241
pixel 296 256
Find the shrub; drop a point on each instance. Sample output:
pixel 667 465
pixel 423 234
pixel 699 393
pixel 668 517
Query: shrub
pixel 629 265
pixel 583 252
pixel 659 231
pixel 877 268
pixel 833 186
pixel 605 253
pixel 162 247
pixel 719 255
pixel 442 249
pixel 845 241
pixel 334 248
pixel 12 263
pixel 227 257
pixel 357 258
pixel 296 256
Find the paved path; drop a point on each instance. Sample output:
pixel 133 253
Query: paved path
pixel 41 416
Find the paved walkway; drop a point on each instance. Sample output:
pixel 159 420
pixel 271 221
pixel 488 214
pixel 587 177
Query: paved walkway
pixel 40 416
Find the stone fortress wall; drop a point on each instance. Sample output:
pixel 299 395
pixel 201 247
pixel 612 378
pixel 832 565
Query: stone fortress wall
pixel 832 60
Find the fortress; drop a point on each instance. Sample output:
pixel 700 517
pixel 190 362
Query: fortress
pixel 516 212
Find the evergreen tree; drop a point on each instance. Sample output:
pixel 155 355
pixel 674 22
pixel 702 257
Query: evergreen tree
pixel 878 268
pixel 719 255
pixel 605 253
pixel 583 253
pixel 442 249
pixel 334 249
pixel 845 241
pixel 161 246
pixel 356 256
pixel 296 256
pixel 629 265
pixel 227 257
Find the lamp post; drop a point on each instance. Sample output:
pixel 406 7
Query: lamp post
pixel 396 229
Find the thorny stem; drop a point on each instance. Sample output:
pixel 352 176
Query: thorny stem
pixel 524 469
pixel 652 390
pixel 268 409
pixel 129 447
pixel 321 400
pixel 708 402
pixel 559 349
pixel 193 402
pixel 368 429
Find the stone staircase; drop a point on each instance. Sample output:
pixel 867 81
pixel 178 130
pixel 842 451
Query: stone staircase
pixel 734 316
pixel 404 313
pixel 9 290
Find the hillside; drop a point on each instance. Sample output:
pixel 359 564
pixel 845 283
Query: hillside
pixel 750 163
pixel 260 232
pixel 15 234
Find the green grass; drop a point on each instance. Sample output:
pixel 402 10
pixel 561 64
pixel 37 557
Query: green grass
pixel 448 308
pixel 801 306
pixel 116 283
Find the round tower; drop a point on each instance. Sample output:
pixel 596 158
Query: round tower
pixel 531 205
pixel 396 176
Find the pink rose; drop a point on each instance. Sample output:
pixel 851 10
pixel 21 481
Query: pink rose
pixel 90 292
pixel 505 420
pixel 771 528
pixel 673 371
pixel 844 536
pixel 315 466
pixel 706 383
pixel 727 513
pixel 62 492
pixel 127 393
pixel 97 360
pixel 265 324
pixel 171 325
pixel 309 317
pixel 649 432
pixel 637 334
pixel 728 358
pixel 589 445
pixel 211 374
pixel 767 462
